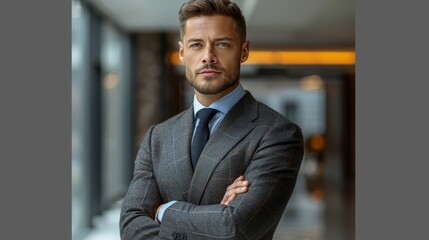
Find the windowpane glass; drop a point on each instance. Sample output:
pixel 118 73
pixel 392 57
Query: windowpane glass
pixel 79 123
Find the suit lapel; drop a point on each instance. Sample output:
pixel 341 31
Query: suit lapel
pixel 234 127
pixel 182 134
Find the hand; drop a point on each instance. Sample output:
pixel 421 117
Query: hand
pixel 237 187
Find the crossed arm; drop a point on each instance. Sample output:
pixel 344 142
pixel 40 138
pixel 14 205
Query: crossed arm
pixel 237 187
pixel 271 174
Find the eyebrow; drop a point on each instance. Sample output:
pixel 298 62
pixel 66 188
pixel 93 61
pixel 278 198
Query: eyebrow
pixel 223 39
pixel 194 40
pixel 216 39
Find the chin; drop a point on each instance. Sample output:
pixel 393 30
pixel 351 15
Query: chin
pixel 208 90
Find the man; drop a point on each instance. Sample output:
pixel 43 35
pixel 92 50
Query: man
pixel 240 184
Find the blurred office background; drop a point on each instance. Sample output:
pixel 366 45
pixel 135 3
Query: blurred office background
pixel 126 77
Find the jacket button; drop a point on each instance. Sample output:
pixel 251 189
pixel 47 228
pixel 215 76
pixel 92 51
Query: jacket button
pixel 179 236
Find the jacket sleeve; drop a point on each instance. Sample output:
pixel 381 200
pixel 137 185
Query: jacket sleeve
pixel 142 199
pixel 272 173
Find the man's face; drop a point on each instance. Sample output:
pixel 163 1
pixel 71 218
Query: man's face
pixel 212 53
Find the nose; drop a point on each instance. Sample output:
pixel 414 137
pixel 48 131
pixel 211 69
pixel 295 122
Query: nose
pixel 209 56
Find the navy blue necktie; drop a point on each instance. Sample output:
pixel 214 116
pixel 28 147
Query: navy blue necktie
pixel 202 133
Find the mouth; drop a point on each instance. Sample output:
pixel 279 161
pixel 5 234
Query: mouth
pixel 209 72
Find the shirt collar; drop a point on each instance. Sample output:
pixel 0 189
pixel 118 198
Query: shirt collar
pixel 225 103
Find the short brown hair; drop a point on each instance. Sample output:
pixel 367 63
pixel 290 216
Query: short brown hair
pixel 195 8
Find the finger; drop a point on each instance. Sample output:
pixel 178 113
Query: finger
pixel 239 178
pixel 238 184
pixel 245 183
pixel 236 191
pixel 241 190
pixel 232 193
pixel 231 197
pixel 225 198
pixel 237 187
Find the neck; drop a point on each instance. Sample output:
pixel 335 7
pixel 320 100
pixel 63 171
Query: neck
pixel 208 99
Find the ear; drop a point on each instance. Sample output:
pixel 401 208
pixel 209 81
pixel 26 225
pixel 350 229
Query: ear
pixel 245 51
pixel 181 49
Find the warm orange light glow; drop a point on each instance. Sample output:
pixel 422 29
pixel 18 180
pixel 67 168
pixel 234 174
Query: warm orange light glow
pixel 292 58
pixel 312 82
pixel 317 143
pixel 317 195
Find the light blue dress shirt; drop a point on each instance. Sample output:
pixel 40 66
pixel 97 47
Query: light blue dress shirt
pixel 223 105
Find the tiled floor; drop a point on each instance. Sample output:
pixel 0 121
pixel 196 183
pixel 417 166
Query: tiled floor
pixel 302 220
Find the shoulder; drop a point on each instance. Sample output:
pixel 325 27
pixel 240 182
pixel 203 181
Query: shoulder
pixel 183 116
pixel 182 119
pixel 263 112
pixel 162 131
pixel 270 116
pixel 269 120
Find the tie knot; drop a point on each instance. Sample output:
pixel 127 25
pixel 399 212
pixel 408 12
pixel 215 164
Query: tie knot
pixel 206 114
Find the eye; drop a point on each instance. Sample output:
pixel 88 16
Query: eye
pixel 195 45
pixel 223 44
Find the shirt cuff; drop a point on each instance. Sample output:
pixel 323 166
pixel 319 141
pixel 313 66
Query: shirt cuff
pixel 163 208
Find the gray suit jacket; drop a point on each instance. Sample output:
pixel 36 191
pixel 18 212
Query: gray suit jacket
pixel 252 140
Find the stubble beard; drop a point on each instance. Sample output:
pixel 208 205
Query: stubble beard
pixel 209 85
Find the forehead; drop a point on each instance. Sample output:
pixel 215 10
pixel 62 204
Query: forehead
pixel 212 26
